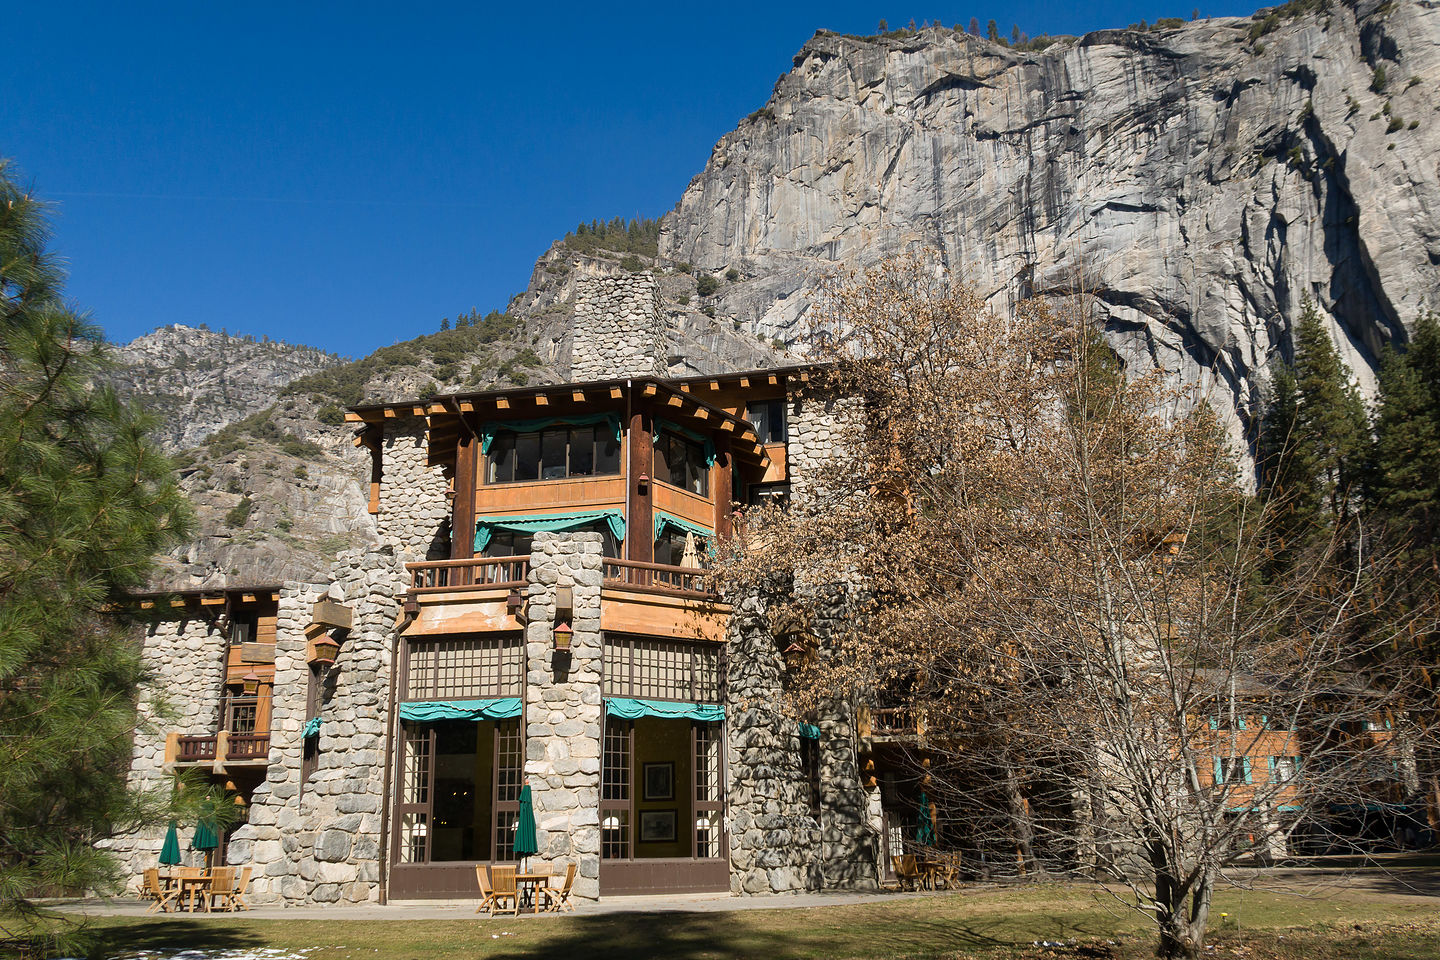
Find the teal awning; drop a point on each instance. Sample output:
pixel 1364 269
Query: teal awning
pixel 628 708
pixel 809 731
pixel 312 728
pixel 428 711
pixel 663 520
pixel 489 430
pixel 485 528
pixel 687 433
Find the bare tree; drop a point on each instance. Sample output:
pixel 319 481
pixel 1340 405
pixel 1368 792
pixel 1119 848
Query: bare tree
pixel 1051 560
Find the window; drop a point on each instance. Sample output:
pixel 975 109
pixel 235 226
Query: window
pixel 504 543
pixel 1232 770
pixel 242 629
pixel 654 669
pixel 241 712
pixel 709 801
pixel 462 669
pixel 765 494
pixel 553 454
pixel 670 547
pixel 1284 769
pixel 768 418
pixel 810 767
pixel 681 462
pixel 615 791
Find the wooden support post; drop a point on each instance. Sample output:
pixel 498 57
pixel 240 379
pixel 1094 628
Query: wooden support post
pixel 462 516
pixel 720 483
pixel 640 518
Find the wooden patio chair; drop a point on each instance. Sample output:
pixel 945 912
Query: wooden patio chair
pixel 487 896
pixel 222 888
pixel 907 871
pixel 558 898
pixel 237 897
pixel 503 889
pixel 152 890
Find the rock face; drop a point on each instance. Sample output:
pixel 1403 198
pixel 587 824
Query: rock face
pixel 198 381
pixel 1199 181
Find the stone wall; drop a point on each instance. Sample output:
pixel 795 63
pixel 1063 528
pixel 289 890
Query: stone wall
pixel 774 840
pixel 186 658
pixel 414 517
pixel 823 430
pixel 563 710
pixel 619 329
pixel 321 842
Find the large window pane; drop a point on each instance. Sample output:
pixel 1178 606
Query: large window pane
pixel 502 458
pixel 607 451
pixel 552 454
pixel 582 451
pixel 527 456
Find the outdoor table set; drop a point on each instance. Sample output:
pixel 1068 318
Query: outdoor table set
pixel 504 889
pixel 195 888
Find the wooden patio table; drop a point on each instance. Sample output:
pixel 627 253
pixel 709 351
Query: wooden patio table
pixel 530 883
pixel 193 885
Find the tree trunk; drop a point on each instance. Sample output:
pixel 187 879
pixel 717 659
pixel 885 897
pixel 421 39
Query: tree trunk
pixel 1021 827
pixel 1182 930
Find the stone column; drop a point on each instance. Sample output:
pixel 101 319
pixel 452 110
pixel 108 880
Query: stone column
pixel 619 329
pixel 563 711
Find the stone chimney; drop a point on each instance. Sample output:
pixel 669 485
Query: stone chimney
pixel 619 329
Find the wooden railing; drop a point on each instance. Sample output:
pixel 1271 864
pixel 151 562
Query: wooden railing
pixel 247 746
pixel 659 578
pixel 196 749
pixel 475 573
pixel 894 722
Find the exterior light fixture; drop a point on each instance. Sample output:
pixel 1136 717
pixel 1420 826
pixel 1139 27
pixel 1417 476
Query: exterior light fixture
pixel 794 655
pixel 251 683
pixel 514 602
pixel 643 482
pixel 563 635
pixel 324 650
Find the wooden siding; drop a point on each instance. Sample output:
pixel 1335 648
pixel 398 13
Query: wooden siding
pixel 660 616
pixel 684 504
pixel 539 496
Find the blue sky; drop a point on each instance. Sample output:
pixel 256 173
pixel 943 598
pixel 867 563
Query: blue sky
pixel 346 174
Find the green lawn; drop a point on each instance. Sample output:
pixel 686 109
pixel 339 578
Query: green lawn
pixel 996 925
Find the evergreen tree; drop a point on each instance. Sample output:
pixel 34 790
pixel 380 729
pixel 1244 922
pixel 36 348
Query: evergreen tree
pixel 992 31
pixel 1314 437
pixel 1404 488
pixel 974 26
pixel 86 501
pixel 445 324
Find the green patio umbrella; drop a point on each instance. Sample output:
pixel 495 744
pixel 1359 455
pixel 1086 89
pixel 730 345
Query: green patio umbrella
pixel 205 839
pixel 924 827
pixel 525 842
pixel 170 850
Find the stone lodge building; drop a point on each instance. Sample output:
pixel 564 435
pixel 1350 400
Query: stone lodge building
pixel 537 611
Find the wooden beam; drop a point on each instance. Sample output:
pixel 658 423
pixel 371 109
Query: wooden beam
pixel 435 408
pixel 501 403
pixel 462 542
pixel 728 426
pixel 616 393
pixel 744 383
pixel 352 417
pixel 577 395
pixel 640 542
pixel 212 601
pixel 804 376
pixel 390 414
pixel 359 440
pixel 541 400
pixel 649 390
pixel 674 401
pixel 700 413
pixel 417 410
pixel 466 406
pixel 773 380
pixel 714 385
pixel 685 387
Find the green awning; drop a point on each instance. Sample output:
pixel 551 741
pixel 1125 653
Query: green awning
pixel 429 711
pixel 687 433
pixel 809 731
pixel 664 520
pixel 490 430
pixel 312 728
pixel 629 708
pixel 485 528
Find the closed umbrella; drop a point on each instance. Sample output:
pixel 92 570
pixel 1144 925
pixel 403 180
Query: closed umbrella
pixel 691 557
pixel 525 843
pixel 925 827
pixel 205 839
pixel 170 849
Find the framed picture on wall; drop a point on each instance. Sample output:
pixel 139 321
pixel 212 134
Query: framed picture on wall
pixel 657 826
pixel 659 781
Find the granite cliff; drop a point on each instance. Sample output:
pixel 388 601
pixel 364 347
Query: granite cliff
pixel 1199 179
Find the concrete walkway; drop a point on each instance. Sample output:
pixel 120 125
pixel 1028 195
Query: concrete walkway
pixel 461 909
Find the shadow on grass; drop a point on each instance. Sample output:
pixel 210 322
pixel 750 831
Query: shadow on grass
pixel 126 935
pixel 705 936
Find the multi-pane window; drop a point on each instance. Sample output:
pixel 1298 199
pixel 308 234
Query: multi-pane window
pixel 1232 770
pixel 1284 769
pixel 615 790
pixel 655 669
pixel 242 630
pixel 766 494
pixel 553 454
pixel 768 418
pixel 509 759
pixel 681 462
pixel 464 669
pixel 709 802
pixel 505 543
pixel 413 810
pixel 241 713
pixel 670 548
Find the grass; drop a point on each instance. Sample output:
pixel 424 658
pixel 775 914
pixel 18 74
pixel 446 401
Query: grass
pixel 994 925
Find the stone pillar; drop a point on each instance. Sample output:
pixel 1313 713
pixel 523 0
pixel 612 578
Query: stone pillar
pixel 619 328
pixel 563 710
pixel 773 837
pixel 414 516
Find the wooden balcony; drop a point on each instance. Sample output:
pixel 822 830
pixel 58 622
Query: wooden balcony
pixel 891 724
pixel 196 749
pixel 475 573
pixel 659 578
pixel 248 748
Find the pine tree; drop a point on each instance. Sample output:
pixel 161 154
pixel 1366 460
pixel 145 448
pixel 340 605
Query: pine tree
pixel 86 501
pixel 1314 438
pixel 445 324
pixel 1404 487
